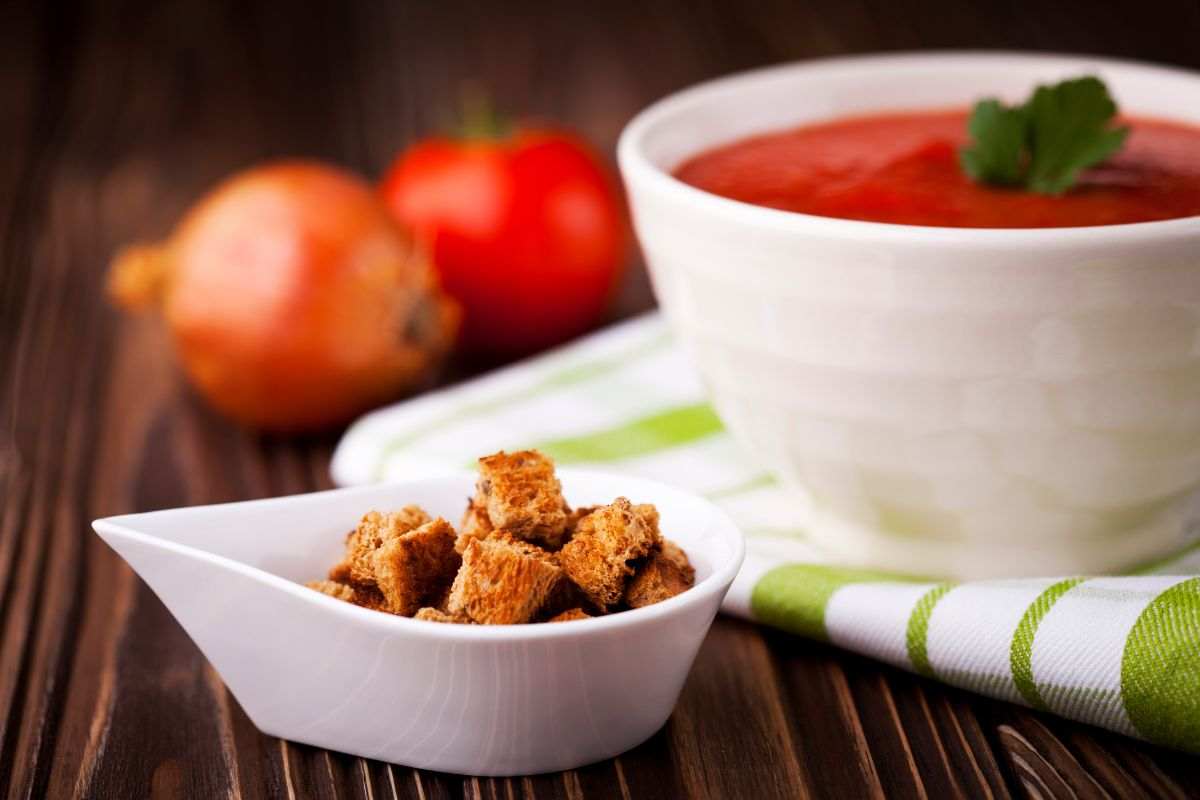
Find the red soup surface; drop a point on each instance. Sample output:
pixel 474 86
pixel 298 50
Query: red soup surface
pixel 903 168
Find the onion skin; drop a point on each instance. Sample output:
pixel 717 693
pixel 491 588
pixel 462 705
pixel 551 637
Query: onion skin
pixel 294 299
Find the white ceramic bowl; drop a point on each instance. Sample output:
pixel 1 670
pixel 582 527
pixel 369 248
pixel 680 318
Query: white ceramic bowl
pixel 965 402
pixel 482 700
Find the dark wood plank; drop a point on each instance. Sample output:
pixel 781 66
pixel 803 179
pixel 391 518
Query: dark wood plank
pixel 832 746
pixel 971 756
pixel 117 115
pixel 891 743
pixel 1062 759
pixel 734 698
pixel 646 771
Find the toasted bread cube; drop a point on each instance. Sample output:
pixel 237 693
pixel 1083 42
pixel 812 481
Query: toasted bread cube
pixel 502 581
pixel 369 597
pixel 574 516
pixel 665 573
pixel 365 596
pixel 373 530
pixel 475 525
pixel 341 572
pixel 649 514
pixel 570 614
pixel 564 596
pixel 521 494
pixel 675 554
pixel 416 566
pixel 598 556
pixel 437 615
pixel 340 591
pixel 441 600
pixel 525 548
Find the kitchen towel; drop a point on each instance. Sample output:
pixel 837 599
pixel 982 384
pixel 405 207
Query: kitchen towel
pixel 1118 651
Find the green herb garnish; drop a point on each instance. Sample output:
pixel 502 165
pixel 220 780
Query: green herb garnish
pixel 1043 144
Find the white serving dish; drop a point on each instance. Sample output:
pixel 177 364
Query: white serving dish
pixel 482 700
pixel 963 402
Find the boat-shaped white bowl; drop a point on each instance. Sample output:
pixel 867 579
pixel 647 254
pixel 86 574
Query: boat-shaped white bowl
pixel 482 700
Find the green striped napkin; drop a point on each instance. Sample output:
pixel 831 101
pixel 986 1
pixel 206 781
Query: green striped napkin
pixel 1121 652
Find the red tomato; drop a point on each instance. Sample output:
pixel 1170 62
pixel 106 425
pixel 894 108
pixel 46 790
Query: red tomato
pixel 527 233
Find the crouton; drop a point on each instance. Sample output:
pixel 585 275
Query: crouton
pixel 441 601
pixel 369 597
pixel 665 573
pixel 574 516
pixel 416 566
pixel 521 494
pixel 564 596
pixel 570 614
pixel 522 555
pixel 365 596
pixel 675 554
pixel 598 556
pixel 502 581
pixel 340 591
pixel 373 530
pixel 475 525
pixel 649 514
pixel 525 548
pixel 437 615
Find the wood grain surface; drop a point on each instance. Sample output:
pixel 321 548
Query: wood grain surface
pixel 117 114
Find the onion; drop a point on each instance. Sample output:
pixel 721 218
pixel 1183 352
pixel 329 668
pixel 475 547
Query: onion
pixel 295 301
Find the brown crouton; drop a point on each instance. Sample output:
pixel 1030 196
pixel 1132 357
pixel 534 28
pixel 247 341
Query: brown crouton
pixel 570 614
pixel 475 525
pixel 564 596
pixel 373 530
pixel 522 555
pixel 437 615
pixel 665 573
pixel 598 556
pixel 649 514
pixel 674 553
pixel 502 581
pixel 416 566
pixel 369 597
pixel 341 591
pixel 574 516
pixel 441 601
pixel 365 596
pixel 520 494
pixel 525 548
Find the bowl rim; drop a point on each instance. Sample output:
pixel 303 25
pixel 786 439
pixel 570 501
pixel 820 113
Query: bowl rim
pixel 717 582
pixel 635 164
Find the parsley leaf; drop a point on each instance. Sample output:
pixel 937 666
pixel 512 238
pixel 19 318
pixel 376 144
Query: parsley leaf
pixel 998 155
pixel 1043 144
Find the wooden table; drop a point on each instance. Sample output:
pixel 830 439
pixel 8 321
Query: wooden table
pixel 115 115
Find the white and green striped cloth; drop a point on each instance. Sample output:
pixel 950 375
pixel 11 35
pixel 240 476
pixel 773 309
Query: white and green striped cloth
pixel 1121 652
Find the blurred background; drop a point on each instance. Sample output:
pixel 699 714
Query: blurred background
pixel 117 115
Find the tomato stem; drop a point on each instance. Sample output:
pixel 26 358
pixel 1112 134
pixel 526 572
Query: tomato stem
pixel 478 117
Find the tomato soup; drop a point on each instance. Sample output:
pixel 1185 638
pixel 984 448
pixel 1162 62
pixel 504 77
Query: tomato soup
pixel 903 168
